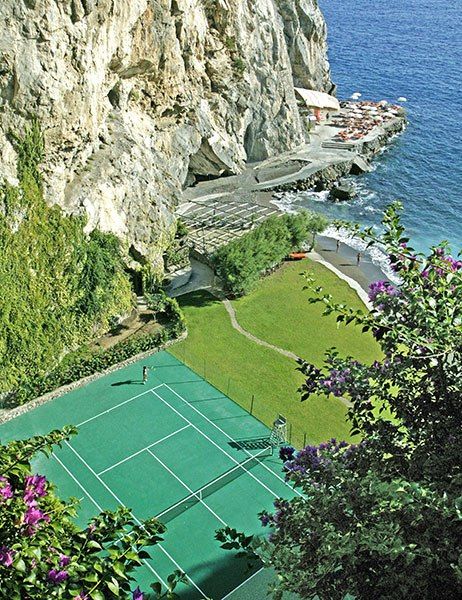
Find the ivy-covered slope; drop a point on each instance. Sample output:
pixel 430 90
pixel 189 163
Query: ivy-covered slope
pixel 58 286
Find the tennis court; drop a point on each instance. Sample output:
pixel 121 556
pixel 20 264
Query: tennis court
pixel 175 448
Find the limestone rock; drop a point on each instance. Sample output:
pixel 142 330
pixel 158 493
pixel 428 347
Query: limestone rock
pixel 359 166
pixel 306 38
pixel 343 191
pixel 136 97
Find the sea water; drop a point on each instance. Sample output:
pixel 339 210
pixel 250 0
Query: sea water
pixel 390 49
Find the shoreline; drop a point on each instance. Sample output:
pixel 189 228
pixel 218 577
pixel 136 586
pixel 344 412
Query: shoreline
pixel 345 261
pixel 217 210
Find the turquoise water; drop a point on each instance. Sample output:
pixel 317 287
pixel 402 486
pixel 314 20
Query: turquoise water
pixel 386 49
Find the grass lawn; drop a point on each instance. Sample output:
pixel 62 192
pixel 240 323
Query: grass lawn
pixel 239 368
pixel 277 311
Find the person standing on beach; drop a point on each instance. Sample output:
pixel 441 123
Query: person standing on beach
pixel 145 375
pixel 337 246
pixel 358 259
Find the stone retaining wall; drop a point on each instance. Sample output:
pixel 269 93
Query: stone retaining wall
pixel 8 414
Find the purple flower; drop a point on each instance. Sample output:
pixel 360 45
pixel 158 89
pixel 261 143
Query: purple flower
pixel 6 556
pixel 308 460
pixel 5 489
pixel 34 488
pixel 56 576
pixel 286 453
pixel 82 596
pixel 382 287
pixel 64 560
pixel 265 519
pixel 454 264
pixel 337 382
pixel 137 594
pixel 32 517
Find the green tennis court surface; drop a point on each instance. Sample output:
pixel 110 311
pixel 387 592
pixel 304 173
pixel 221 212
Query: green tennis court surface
pixel 175 448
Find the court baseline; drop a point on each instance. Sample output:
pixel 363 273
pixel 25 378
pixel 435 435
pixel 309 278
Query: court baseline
pixel 134 517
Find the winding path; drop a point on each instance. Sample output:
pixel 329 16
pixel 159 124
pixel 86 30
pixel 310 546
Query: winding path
pixel 203 278
pixel 234 322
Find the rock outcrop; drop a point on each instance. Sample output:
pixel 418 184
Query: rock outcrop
pixel 137 98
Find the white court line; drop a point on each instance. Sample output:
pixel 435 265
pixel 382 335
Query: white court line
pixel 143 449
pixel 243 583
pixel 217 446
pixel 137 520
pixel 89 496
pixel 239 466
pixel 230 438
pixel 104 412
pixel 101 510
pixel 188 488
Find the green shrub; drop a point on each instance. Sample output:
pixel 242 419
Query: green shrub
pixel 58 286
pixel 89 364
pixel 241 262
pixel 239 65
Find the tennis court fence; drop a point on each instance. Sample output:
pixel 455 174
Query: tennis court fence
pixel 238 391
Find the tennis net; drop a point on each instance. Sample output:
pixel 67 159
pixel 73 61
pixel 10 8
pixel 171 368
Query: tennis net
pixel 175 510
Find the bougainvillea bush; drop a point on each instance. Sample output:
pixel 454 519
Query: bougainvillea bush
pixel 44 555
pixel 382 518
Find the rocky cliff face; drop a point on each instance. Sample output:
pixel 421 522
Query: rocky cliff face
pixel 138 97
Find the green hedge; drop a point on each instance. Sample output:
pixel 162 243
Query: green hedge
pixel 241 263
pixel 85 366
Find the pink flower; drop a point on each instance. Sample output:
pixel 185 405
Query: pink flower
pixel 82 596
pixel 64 560
pixel 32 517
pixel 137 594
pixel 56 576
pixel 6 556
pixel 5 488
pixel 34 488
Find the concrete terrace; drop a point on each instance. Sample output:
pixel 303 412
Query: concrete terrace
pixel 219 210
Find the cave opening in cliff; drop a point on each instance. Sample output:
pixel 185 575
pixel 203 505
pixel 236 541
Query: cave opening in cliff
pixel 136 279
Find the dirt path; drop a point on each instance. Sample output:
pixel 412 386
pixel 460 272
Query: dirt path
pixel 234 322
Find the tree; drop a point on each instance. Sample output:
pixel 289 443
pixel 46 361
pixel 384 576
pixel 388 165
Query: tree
pixel 382 518
pixel 44 555
pixel 242 262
